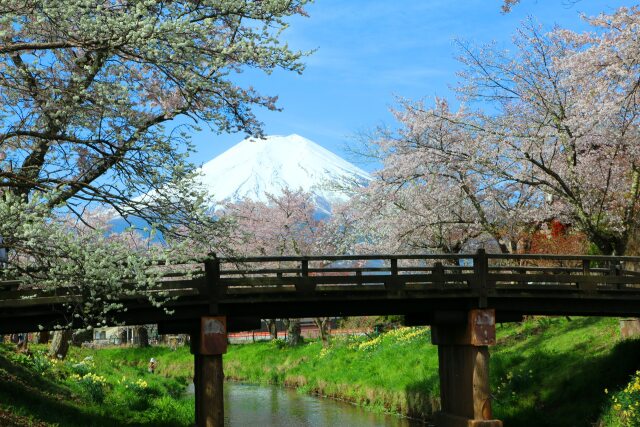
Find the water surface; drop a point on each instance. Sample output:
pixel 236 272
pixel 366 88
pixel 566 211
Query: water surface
pixel 248 405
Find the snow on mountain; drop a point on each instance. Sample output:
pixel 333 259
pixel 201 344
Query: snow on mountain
pixel 254 167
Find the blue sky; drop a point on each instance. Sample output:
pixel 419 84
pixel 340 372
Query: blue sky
pixel 369 52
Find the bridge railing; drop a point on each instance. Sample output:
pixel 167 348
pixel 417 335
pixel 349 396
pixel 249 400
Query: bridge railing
pixel 477 273
pixel 586 273
pixel 346 273
pixel 444 272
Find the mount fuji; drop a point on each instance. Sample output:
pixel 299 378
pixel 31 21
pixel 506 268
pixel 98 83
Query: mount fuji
pixel 254 167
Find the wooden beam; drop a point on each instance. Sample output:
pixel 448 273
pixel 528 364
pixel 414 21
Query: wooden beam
pixel 191 326
pixel 212 403
pixel 207 347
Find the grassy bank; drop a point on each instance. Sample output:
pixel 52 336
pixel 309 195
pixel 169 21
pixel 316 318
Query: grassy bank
pixel 544 372
pixel 107 387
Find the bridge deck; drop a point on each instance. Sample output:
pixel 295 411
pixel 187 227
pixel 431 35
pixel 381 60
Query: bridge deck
pixel 426 288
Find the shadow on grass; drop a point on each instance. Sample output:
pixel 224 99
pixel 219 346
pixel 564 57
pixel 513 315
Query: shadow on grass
pixel 26 393
pixel 535 385
pixel 560 389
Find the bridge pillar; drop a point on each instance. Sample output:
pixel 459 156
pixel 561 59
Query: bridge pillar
pixel 207 347
pixel 463 358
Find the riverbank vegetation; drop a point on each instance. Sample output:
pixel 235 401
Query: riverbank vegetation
pixel 107 387
pixel 551 371
pixel 547 371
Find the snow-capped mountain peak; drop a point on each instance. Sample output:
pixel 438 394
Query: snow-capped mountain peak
pixel 254 167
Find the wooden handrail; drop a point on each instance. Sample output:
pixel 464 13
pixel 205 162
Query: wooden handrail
pixel 240 260
pixel 479 275
pixel 552 257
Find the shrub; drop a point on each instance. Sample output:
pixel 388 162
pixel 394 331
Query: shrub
pixel 625 404
pixel 41 362
pixel 92 385
pixel 84 367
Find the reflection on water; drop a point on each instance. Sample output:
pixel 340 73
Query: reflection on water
pixel 258 406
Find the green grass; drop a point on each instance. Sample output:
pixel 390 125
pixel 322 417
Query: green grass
pixel 555 371
pixel 544 372
pixel 108 387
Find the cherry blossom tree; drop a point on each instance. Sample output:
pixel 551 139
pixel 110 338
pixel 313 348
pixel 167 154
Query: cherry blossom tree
pixel 48 253
pixel 435 191
pixel 97 98
pixel 99 266
pixel 96 103
pixel 549 130
pixel 507 5
pixel 285 225
pixel 560 131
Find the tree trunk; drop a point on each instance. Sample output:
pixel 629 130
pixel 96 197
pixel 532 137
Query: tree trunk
pixel 294 337
pixel 122 334
pixel 143 336
pixel 273 328
pixel 42 337
pixel 608 244
pixel 23 342
pixel 324 329
pixel 60 344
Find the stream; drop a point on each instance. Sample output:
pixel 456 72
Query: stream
pixel 248 405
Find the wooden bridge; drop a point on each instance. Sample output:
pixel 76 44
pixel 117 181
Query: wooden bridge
pixel 461 296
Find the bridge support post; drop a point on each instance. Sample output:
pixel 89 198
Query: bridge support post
pixel 207 347
pixel 463 357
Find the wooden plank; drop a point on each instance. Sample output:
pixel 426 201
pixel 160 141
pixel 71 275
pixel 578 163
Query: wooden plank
pixel 333 258
pixel 553 257
pixel 354 270
pixel 333 289
pixel 170 293
pixel 436 287
pixel 10 285
pixel 532 288
pixel 75 298
pixel 563 278
pixel 354 296
pixel 275 272
pixel 325 280
pixel 34 293
pixel 66 291
pixel 260 271
pixel 560 278
pixel 630 273
pixel 19 303
pixel 535 269
pixel 185 274
pixel 620 290
pixel 337 291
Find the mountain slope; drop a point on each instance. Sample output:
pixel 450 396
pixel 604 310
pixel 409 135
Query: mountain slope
pixel 254 167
